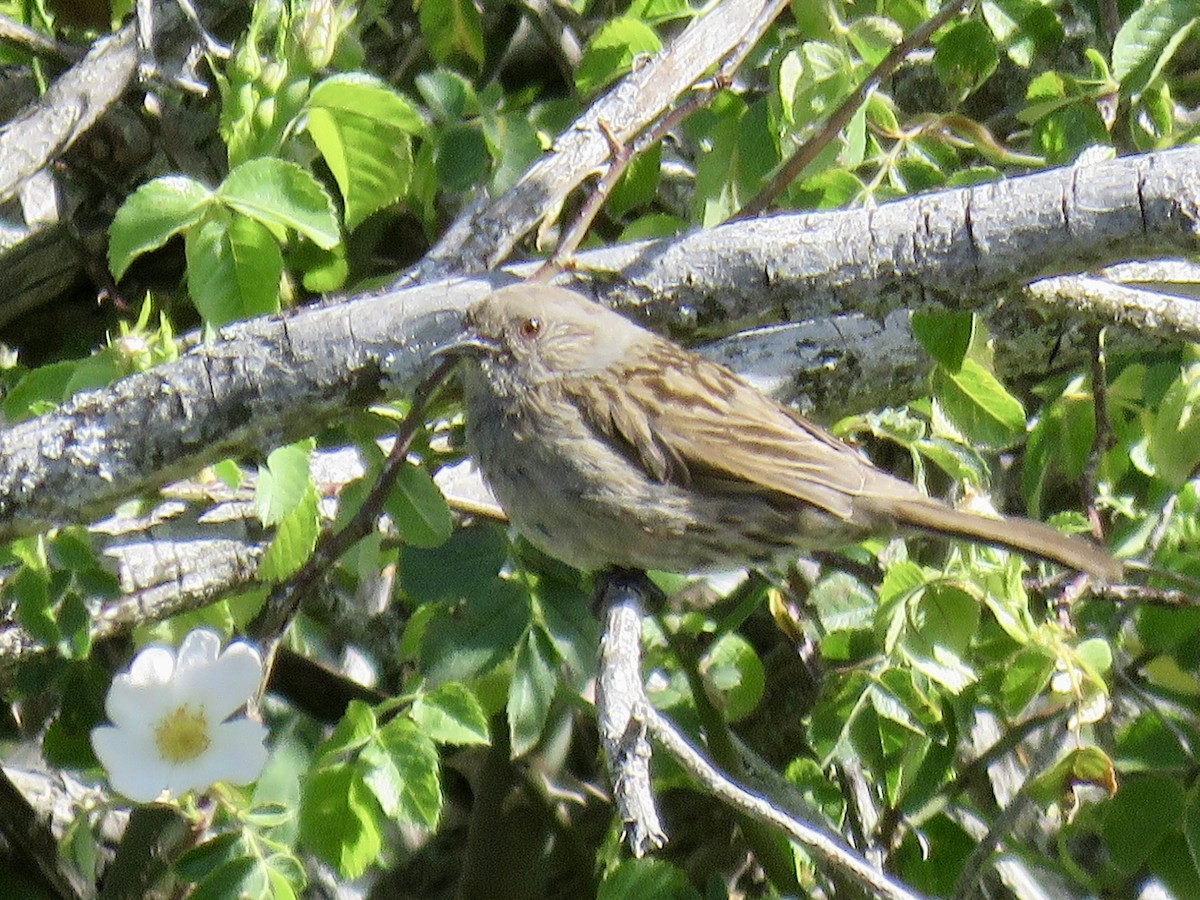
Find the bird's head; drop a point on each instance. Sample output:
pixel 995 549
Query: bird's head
pixel 535 333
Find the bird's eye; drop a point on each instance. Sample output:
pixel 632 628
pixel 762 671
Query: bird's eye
pixel 529 328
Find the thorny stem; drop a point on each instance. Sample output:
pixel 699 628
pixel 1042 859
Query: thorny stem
pixel 286 597
pixel 841 116
pixel 622 156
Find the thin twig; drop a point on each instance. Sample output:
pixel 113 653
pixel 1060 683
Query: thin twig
pixel 13 32
pixel 841 116
pixel 623 155
pixel 286 597
pixel 1102 436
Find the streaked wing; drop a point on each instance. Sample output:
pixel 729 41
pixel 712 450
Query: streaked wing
pixel 728 428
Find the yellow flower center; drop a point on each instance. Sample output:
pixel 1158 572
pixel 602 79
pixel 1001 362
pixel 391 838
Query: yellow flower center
pixel 182 735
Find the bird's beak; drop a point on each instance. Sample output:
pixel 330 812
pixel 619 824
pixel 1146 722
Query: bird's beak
pixel 468 342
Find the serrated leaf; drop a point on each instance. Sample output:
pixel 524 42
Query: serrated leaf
pixel 977 406
pixel 418 509
pixel 295 537
pixel 1148 40
pixel 362 128
pixel 451 714
pixel 357 725
pixel 531 690
pixel 339 820
pixel 414 757
pixel 233 269
pixel 278 193
pixel 151 216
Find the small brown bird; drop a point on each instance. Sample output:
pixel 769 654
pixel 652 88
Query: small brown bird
pixel 609 446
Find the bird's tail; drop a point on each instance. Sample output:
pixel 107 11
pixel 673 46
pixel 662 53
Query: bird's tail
pixel 1022 535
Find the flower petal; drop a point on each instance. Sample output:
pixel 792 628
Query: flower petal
pixel 154 664
pixel 226 684
pixel 133 768
pixel 137 705
pixel 199 649
pixel 242 745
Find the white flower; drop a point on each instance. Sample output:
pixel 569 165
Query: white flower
pixel 169 715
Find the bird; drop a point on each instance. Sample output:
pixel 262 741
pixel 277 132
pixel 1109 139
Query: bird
pixel 610 447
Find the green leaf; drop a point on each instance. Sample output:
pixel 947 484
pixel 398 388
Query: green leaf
pixel 461 157
pixel 937 643
pixel 464 566
pixel 638 186
pixel 450 97
pixel 1025 677
pixel 611 52
pixel 409 786
pixel 635 879
pixel 1143 812
pixel 357 726
pixel 31 590
pixel 965 57
pixel 418 509
pixel 744 151
pixel 74 621
pixel 1175 435
pixel 531 690
pixel 205 858
pixel 233 269
pixel 476 635
pixel 43 388
pixel 1191 825
pixel 151 216
pixel 514 144
pixel 946 336
pixel 566 612
pixel 339 820
pixel 660 10
pixel 976 405
pixel 362 128
pixel 283 482
pixel 1149 39
pixel 278 193
pixel 241 877
pixel 451 714
pixel 873 37
pixel 734 669
pixel 453 29
pixel 295 538
pixel 1084 765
